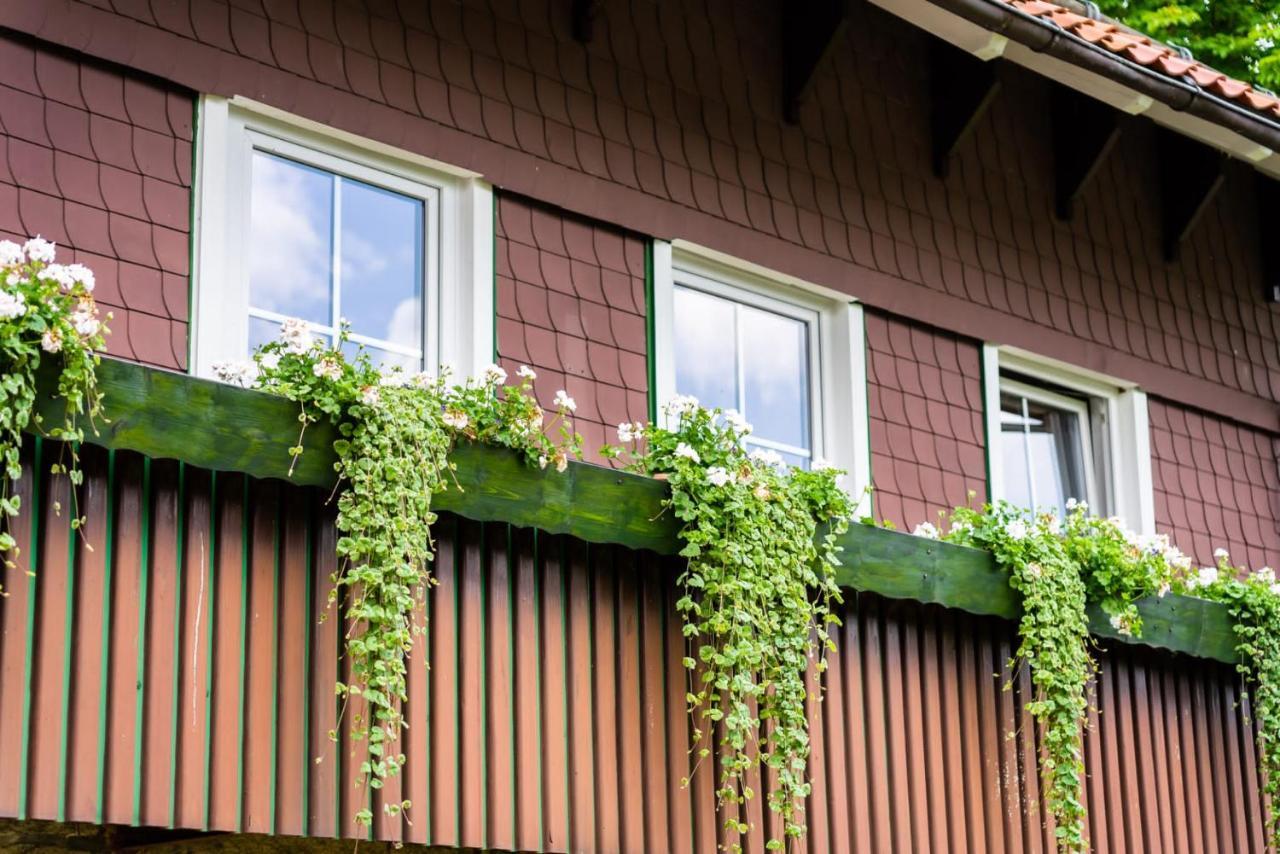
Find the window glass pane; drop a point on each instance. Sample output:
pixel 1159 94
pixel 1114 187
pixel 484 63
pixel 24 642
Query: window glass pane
pixel 706 366
pixel 291 239
pixel 383 358
pixel 775 376
pixel 382 263
pixel 1043 453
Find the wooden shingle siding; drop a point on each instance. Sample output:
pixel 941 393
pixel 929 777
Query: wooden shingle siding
pixel 181 674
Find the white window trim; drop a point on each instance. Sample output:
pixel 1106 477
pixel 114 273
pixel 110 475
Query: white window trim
pixel 839 362
pixel 458 294
pixel 1127 469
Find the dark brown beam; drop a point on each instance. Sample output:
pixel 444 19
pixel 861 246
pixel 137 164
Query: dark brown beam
pixel 1268 196
pixel 1084 131
pixel 809 30
pixel 961 87
pixel 1190 175
pixel 584 14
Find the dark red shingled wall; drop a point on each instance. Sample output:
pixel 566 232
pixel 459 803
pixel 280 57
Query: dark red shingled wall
pixel 571 305
pixel 1217 485
pixel 924 401
pixel 100 162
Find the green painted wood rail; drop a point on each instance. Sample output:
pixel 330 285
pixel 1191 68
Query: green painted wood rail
pixel 210 425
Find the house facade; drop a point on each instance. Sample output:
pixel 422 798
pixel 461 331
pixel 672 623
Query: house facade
pixel 964 250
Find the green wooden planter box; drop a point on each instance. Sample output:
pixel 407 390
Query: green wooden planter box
pixel 215 426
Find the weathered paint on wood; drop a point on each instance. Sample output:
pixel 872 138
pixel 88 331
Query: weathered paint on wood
pixel 227 429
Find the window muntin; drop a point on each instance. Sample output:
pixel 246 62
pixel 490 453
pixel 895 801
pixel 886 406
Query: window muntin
pixel 333 243
pixel 739 350
pixel 1046 447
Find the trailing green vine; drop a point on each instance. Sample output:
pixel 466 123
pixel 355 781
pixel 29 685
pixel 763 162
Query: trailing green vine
pixel 47 311
pixel 760 540
pixel 1060 567
pixel 395 434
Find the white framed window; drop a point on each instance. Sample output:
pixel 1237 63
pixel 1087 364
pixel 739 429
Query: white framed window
pixel 788 355
pixel 1057 432
pixel 294 219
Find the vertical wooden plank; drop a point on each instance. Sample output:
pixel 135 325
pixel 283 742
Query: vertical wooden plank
pixel 934 766
pixel 874 652
pixel 605 709
pixel 553 688
pixel 325 641
pixel 157 743
pixel 89 681
pixel 896 729
pixel 575 557
pixel 816 815
pixel 196 651
pixel 229 592
pixel 499 726
pixel 987 688
pixel 293 604
pixel 971 726
pixel 1180 824
pixel 1254 814
pixel 126 624
pixel 52 621
pixel 629 709
pixel 653 712
pixel 1110 714
pixel 953 754
pixel 1206 763
pixel 837 773
pixel 259 680
pixel 530 704
pixel 1095 769
pixel 855 730
pixel 19 584
pixel 912 716
pixel 1153 715
pixel 1016 836
pixel 446 697
pixel 471 674
pixel 1233 771
pixel 682 830
pixel 415 787
pixel 1037 823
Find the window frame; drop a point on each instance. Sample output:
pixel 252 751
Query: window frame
pixel 839 429
pixel 1119 435
pixel 1083 411
pixel 458 300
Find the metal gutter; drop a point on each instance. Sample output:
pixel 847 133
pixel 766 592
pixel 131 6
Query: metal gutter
pixel 1041 36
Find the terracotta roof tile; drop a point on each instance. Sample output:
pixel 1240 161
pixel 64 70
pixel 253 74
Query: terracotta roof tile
pixel 1151 54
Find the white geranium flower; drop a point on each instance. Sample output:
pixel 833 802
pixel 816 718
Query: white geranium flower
pixel 718 476
pixel 370 396
pixel 1121 625
pixel 1163 591
pixel 85 318
pixel 11 254
pixel 270 361
pixel 1266 575
pixel 767 457
pixel 493 375
pixel 58 273
pixel 1016 530
pixel 328 368
pixel 1275 589
pixel 1220 554
pixel 680 404
pixel 236 373
pixel 458 420
pixel 735 419
pixel 1054 525
pixel 927 530
pixel 394 378
pixel 422 379
pixel 527 373
pixel 1207 576
pixel 961 528
pixel 83 275
pixel 296 336
pixel 39 249
pixel 12 305
pixel 51 341
pixel 1071 504
pixel 683 450
pixel 627 432
pixel 561 460
pixel 563 401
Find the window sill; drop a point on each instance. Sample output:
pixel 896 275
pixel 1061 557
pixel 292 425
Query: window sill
pixel 215 426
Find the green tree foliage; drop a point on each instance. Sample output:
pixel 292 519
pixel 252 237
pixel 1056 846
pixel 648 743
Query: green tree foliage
pixel 1238 37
